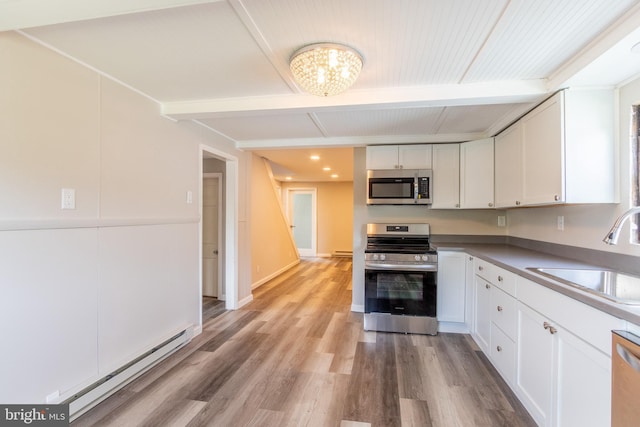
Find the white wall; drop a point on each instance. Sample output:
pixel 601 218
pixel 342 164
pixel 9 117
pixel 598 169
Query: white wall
pixel 86 290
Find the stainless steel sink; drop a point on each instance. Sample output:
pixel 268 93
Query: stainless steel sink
pixel 618 287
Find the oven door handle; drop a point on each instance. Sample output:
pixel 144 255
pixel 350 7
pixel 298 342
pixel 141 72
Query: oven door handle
pixel 397 267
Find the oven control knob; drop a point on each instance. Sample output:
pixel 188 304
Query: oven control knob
pixel 425 257
pixel 375 257
pixel 417 257
pixel 382 257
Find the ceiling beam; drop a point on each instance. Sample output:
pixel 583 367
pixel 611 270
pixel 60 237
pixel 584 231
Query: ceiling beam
pixel 20 14
pixel 356 141
pixel 501 92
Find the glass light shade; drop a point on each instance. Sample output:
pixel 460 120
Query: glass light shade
pixel 325 69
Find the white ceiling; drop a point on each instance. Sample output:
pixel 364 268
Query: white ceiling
pixel 434 71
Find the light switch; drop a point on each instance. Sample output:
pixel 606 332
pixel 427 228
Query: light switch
pixel 502 220
pixel 68 198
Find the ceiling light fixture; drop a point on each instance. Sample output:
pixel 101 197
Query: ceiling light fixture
pixel 326 168
pixel 315 157
pixel 325 69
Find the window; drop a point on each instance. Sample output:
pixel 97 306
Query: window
pixel 635 170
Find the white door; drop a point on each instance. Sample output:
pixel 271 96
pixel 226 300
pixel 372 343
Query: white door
pixel 302 220
pixel 210 236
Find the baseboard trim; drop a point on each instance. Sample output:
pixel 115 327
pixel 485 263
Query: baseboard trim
pixel 274 275
pixel 357 308
pixel 453 328
pixel 244 301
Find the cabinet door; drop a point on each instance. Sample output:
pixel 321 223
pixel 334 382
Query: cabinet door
pixel 476 174
pixel 446 176
pixel 415 156
pixel 543 154
pixel 451 286
pixel 534 367
pixel 482 308
pixel 470 293
pixel 508 167
pixel 583 389
pixel 382 157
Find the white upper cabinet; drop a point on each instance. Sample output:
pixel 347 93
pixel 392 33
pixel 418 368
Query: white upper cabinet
pixel 476 174
pixel 568 149
pixel 508 167
pixel 446 176
pixel 399 157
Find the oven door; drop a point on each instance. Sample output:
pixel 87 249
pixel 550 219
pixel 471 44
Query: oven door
pixel 395 291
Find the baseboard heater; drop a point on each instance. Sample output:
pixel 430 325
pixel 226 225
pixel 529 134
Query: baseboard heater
pixel 342 253
pixel 90 396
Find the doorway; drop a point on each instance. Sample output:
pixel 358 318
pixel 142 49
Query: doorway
pixel 227 168
pixel 211 233
pixel 302 214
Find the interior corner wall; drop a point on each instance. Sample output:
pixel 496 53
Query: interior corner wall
pixel 88 289
pixel 272 247
pixel 335 214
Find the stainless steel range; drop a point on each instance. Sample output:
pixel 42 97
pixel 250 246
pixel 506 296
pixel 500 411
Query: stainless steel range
pixel 400 279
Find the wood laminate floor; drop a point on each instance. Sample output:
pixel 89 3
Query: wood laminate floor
pixel 297 356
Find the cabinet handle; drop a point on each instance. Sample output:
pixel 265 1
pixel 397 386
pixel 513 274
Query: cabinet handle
pixel 470 258
pixel 517 202
pixel 480 268
pixel 500 279
pixel 457 205
pixel 490 204
pixel 486 285
pixel 499 348
pixel 556 197
pixel 550 328
pixel 499 308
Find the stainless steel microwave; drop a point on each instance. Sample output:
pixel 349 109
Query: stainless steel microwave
pixel 399 187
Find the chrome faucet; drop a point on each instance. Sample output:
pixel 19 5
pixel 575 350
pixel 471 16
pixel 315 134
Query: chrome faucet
pixel 612 236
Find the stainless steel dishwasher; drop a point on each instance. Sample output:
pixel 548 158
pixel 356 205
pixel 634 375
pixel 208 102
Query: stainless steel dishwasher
pixel 625 379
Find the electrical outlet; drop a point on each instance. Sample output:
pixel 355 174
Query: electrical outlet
pixel 68 198
pixel 502 221
pixel 560 222
pixel 189 197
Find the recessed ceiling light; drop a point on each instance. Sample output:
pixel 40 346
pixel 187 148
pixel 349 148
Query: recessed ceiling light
pixel 288 178
pixel 326 168
pixel 315 157
pixel 335 175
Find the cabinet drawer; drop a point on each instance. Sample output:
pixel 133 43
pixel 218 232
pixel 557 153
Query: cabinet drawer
pixel 505 280
pixel 590 324
pixel 503 354
pixel 503 312
pixel 483 269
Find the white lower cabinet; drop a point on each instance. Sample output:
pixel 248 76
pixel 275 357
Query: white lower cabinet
pixel 552 350
pixel 561 379
pixel 482 318
pixel 451 286
pixel 535 365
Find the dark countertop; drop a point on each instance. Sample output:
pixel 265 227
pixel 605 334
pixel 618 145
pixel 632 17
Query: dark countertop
pixel 516 260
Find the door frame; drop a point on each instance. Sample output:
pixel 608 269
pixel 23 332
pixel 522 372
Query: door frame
pixel 314 218
pixel 230 226
pixel 221 289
